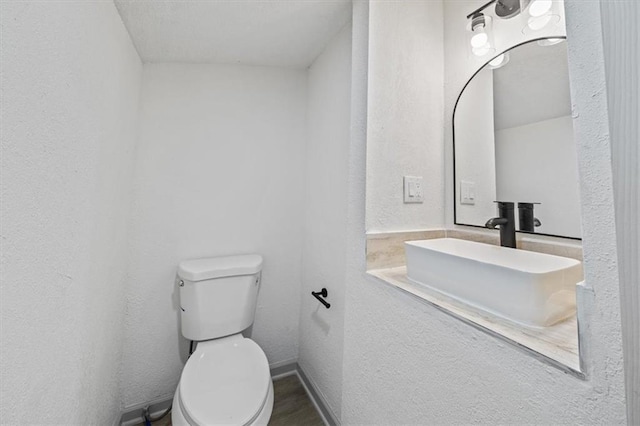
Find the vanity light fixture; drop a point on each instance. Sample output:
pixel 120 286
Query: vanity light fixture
pixel 481 38
pixel 479 26
pixel 504 9
pixel 538 14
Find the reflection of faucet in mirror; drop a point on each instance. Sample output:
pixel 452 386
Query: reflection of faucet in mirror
pixel 526 219
pixel 506 222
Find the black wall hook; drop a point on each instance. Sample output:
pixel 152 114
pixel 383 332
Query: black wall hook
pixel 319 295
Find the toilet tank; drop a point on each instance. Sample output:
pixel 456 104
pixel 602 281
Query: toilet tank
pixel 218 295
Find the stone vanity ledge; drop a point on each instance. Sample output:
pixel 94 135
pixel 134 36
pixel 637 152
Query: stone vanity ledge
pixel 386 249
pixel 557 345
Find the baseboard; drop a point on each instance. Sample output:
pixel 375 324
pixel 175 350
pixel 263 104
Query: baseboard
pixel 135 414
pixel 317 399
pixel 283 369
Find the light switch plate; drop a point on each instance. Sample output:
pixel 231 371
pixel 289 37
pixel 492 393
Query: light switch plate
pixel 467 192
pixel 413 191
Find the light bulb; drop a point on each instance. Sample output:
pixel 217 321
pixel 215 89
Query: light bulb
pixel 483 50
pixel 479 40
pixel 539 7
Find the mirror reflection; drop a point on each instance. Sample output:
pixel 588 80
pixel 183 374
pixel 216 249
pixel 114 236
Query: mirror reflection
pixel 513 142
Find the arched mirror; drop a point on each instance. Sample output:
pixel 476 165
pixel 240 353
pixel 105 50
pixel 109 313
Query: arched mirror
pixel 513 141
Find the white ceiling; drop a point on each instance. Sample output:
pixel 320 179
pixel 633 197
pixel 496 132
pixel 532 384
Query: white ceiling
pixel 282 33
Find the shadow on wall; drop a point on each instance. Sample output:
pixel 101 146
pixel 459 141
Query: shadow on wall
pixel 320 322
pixel 183 344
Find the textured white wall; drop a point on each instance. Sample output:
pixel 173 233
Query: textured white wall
pixel 622 58
pixel 70 85
pixel 406 362
pixel 405 116
pixel 324 248
pixel 538 163
pixel 220 171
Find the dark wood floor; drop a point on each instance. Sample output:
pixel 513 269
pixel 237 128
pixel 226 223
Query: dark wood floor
pixel 291 406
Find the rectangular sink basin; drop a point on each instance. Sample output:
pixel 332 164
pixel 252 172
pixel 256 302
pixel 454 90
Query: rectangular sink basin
pixel 534 289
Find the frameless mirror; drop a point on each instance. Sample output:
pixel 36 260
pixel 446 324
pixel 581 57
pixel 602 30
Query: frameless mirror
pixel 513 141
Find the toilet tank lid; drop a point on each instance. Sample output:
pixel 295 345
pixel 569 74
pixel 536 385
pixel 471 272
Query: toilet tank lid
pixel 218 267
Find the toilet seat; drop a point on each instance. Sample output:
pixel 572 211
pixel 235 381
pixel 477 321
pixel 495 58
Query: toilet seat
pixel 225 382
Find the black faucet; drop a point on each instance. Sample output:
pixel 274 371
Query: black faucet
pixel 507 223
pixel 526 219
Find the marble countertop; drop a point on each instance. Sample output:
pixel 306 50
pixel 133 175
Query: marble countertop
pixel 556 345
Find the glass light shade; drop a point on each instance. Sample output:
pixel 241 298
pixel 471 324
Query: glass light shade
pixel 539 7
pixel 480 36
pixel 483 51
pixel 538 22
pixel 539 14
pixel 499 61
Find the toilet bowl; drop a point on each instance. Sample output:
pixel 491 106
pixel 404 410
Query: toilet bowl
pixel 226 380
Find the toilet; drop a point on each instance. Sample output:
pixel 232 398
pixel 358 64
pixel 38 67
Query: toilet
pixel 226 380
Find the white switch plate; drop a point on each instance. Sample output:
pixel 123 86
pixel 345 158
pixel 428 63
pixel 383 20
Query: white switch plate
pixel 467 192
pixel 413 192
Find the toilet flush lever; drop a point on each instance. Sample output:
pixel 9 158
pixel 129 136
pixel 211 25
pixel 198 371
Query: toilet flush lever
pixel 319 295
pixel 181 283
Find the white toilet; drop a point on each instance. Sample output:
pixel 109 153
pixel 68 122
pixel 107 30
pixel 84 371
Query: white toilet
pixel 226 381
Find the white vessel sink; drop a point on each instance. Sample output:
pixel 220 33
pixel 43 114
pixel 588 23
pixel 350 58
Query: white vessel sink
pixel 530 288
